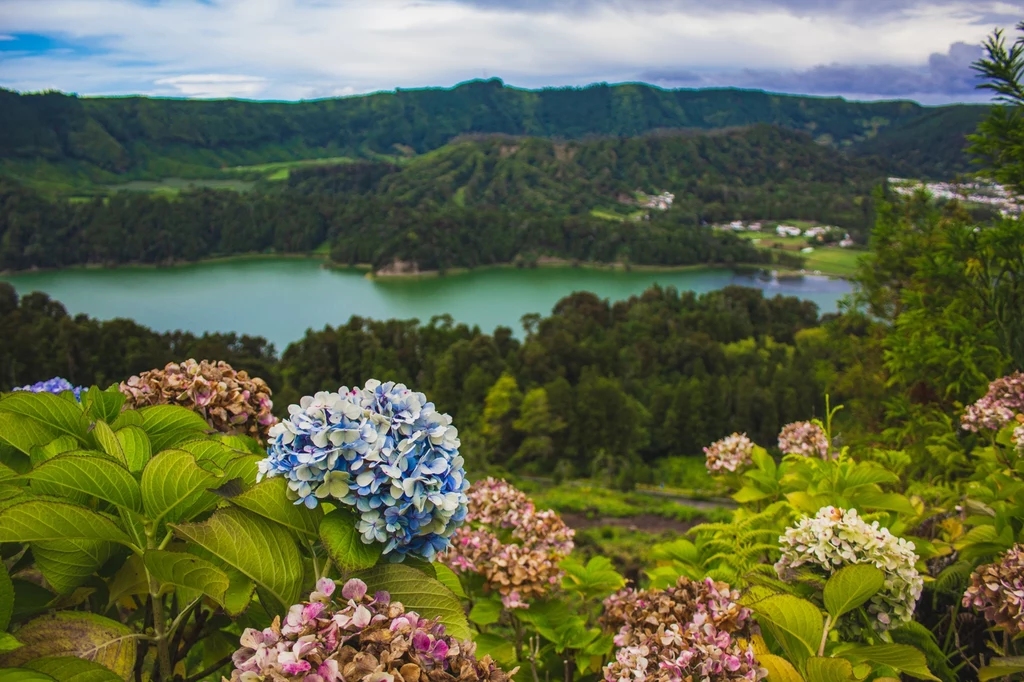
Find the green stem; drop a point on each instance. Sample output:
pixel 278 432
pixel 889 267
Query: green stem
pixel 163 653
pixel 824 634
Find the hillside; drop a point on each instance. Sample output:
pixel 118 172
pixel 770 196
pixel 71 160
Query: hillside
pixel 56 136
pixel 746 165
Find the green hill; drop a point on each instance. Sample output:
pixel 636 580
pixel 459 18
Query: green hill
pixel 63 138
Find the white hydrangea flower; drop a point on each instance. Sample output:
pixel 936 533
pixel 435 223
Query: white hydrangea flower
pixel 835 538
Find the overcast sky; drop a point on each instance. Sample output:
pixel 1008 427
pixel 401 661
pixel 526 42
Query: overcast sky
pixel 295 49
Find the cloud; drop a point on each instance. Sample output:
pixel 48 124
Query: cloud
pixel 291 49
pixel 215 85
pixel 6 37
pixel 944 74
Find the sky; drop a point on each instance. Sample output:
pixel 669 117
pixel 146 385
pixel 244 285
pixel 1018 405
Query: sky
pixel 303 49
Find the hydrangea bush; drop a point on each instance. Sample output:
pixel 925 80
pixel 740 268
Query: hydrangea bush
pixel 383 451
pixel 54 385
pixel 230 401
pixel 359 638
pixel 732 453
pixel 693 631
pixel 997 590
pixel 998 407
pixel 838 537
pixel 804 438
pixel 512 545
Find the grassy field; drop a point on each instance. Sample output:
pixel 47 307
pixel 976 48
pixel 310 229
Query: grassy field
pixel 280 170
pixel 619 217
pixel 175 185
pixel 829 260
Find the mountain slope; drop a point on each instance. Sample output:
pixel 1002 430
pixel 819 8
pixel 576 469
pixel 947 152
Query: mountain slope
pixel 760 171
pixel 107 138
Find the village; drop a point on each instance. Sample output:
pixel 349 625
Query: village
pixel 991 194
pixel 822 234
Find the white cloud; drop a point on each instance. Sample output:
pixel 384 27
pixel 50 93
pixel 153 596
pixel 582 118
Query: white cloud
pixel 215 85
pixel 6 37
pixel 302 48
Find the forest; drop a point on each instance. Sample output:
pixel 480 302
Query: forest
pixel 475 202
pixel 81 141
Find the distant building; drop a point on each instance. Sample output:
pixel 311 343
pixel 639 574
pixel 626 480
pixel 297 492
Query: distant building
pixel 787 231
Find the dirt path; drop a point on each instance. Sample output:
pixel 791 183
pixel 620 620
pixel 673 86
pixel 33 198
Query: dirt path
pixel 646 523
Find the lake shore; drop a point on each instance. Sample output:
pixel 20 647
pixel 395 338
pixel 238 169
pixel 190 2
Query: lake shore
pixel 545 262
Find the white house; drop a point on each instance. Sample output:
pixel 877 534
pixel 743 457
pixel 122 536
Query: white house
pixel 787 231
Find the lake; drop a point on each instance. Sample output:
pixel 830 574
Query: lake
pixel 280 299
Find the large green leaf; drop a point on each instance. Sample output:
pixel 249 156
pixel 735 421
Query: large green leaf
pixel 498 647
pixel 169 425
pixel 103 404
pixel 57 414
pixel 44 520
pixel 829 670
pixel 426 596
pixel 901 657
pixel 851 586
pixel 94 476
pixel 176 488
pixel 80 634
pixel 136 448
pixel 884 502
pixel 57 446
pixel 24 433
pixel 131 580
pixel 270 500
pixel 486 611
pixel 30 600
pixel 261 550
pixel 72 669
pixel 23 675
pixel 187 570
pixel 107 441
pixel 344 544
pixel 796 623
pixel 449 579
pixel 6 598
pixel 1001 667
pixel 779 669
pixel 67 564
pixel 127 418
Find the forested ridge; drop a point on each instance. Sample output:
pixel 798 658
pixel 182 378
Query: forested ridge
pixel 475 202
pixel 103 139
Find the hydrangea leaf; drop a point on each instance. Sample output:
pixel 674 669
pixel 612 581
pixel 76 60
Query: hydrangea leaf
pixel 485 612
pixel 169 425
pixel 447 577
pixel 80 634
pixel 67 564
pixel 136 448
pixel 23 675
pixel 175 488
pixel 344 544
pixel 8 642
pixel 497 647
pixel 885 502
pixel 57 446
pixel 779 669
pixel 901 657
pixel 6 598
pixel 101 404
pixel 426 596
pixel 29 600
pixel 188 571
pixel 261 550
pixel 130 580
pixel 821 669
pixel 72 669
pixel 57 414
pixel 796 623
pixel 127 418
pixel 1001 667
pixel 24 433
pixel 95 476
pixel 45 520
pixel 270 500
pixel 851 586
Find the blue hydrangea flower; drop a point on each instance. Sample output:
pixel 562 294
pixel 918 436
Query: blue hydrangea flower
pixel 54 385
pixel 382 450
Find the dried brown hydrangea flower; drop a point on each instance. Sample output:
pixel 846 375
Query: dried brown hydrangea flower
pixel 227 399
pixel 997 590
